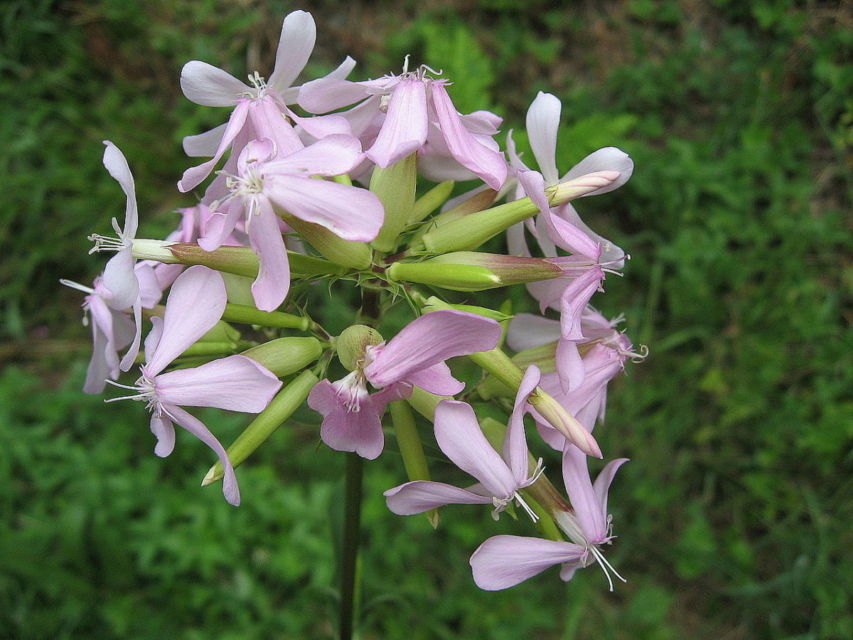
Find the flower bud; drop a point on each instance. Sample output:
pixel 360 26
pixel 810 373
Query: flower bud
pixel 430 201
pixel 474 271
pixel 355 255
pixel 395 187
pixel 352 343
pixel 471 231
pixel 282 406
pixel 286 355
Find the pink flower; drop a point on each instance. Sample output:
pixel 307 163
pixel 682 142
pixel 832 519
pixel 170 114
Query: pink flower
pixel 124 283
pixel 415 356
pixel 505 561
pixel 409 113
pixel 265 181
pixel 260 109
pixel 235 383
pixel 461 439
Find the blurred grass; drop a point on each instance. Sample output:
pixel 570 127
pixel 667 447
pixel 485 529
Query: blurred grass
pixel 734 514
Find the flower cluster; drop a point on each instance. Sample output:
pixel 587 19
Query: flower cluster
pixel 328 181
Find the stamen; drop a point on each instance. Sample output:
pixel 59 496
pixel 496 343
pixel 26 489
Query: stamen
pixel 106 243
pixel 526 507
pixel 605 566
pixel 76 285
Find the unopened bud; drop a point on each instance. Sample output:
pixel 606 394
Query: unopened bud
pixel 353 342
pixel 286 355
pixel 395 187
pixel 283 405
pixel 355 255
pixel 471 231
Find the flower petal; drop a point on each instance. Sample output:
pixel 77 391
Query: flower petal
pixel 606 159
pixel 204 144
pixel 505 561
pixel 603 481
pixel 200 431
pixel 592 521
pixel 405 128
pixel 423 495
pixel 116 164
pixel 543 121
pixel 527 331
pixel 461 439
pixel 349 212
pixel 574 300
pixel 515 450
pixel 295 45
pixel 194 176
pixel 334 155
pixel 430 339
pixel 235 383
pixel 436 379
pixel 488 164
pixel 120 279
pixel 164 430
pixel 359 431
pixel 196 303
pixel 210 86
pixel 273 282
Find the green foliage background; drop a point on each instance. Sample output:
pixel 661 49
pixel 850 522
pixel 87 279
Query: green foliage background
pixel 733 516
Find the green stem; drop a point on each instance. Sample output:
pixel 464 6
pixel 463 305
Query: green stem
pixel 351 535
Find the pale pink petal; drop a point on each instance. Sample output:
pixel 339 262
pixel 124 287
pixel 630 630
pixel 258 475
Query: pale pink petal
pixel 196 427
pixel 269 122
pixel 273 282
pixel 570 367
pixel 611 255
pixel 328 94
pixel 436 379
pixel 116 164
pixel 194 176
pixel 431 339
pixel 319 127
pixel 204 144
pixel 235 383
pixel 164 430
pixel 220 226
pixel 405 128
pixel 461 439
pixel 545 234
pixel 349 212
pixel 534 186
pixel 505 561
pixel 103 363
pixel 210 86
pixel 423 495
pixel 295 45
pixel 120 280
pixel 195 304
pixel 153 337
pixel 291 94
pixel 543 121
pixel 603 481
pixel 130 357
pixel 570 238
pixel 332 156
pixel 587 506
pixel 149 285
pixel 527 331
pixel 574 300
pixel 606 159
pixel 489 165
pixel 515 450
pixel 343 430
